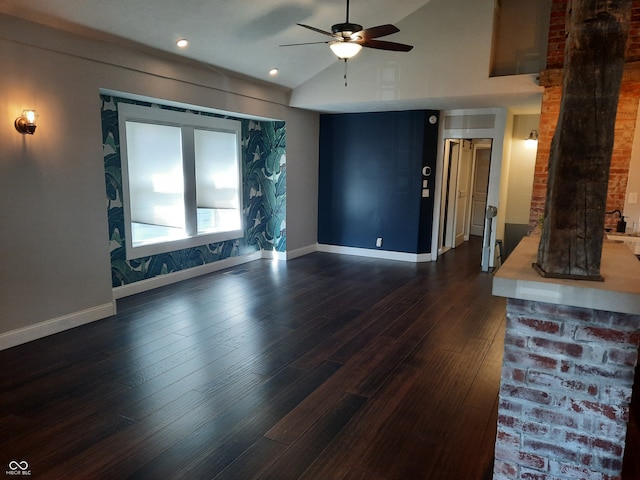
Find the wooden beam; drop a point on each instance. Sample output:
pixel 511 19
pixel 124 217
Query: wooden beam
pixel 581 149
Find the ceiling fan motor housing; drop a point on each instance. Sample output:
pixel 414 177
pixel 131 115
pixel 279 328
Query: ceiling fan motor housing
pixel 345 29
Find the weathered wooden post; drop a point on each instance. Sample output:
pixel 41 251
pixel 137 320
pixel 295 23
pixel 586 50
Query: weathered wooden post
pixel 579 163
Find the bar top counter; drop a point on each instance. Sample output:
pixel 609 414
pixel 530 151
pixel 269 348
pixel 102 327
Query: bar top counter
pixel 619 292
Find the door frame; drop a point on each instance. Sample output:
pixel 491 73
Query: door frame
pixel 460 124
pixel 446 238
pixel 452 202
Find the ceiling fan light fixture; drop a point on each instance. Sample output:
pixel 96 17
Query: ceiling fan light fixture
pixel 345 50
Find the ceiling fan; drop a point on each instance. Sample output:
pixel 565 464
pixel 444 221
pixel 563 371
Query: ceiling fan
pixel 347 39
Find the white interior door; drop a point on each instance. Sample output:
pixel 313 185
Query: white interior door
pixel 462 201
pixel 451 195
pixel 480 188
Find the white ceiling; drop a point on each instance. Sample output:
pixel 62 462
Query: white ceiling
pixel 245 37
pixel 241 36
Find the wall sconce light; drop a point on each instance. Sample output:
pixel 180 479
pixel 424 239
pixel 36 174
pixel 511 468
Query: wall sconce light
pixel 533 137
pixel 26 123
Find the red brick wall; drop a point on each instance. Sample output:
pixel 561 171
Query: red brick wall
pixel 557 34
pixel 625 122
pixel 566 386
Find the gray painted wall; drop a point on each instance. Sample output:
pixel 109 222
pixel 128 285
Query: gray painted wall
pixel 54 265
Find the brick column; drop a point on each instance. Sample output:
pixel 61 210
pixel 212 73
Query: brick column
pixel 565 392
pixel 570 353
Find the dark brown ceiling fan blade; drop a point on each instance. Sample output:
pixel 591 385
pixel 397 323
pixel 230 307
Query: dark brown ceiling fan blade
pixel 379 31
pixel 324 32
pixel 382 45
pixel 305 43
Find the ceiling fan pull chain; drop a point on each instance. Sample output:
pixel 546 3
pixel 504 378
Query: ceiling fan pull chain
pixel 345 72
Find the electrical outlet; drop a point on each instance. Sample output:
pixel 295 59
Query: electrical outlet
pixel 633 198
pixel 379 242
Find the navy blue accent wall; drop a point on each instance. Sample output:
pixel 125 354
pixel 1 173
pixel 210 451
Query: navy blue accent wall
pixel 371 180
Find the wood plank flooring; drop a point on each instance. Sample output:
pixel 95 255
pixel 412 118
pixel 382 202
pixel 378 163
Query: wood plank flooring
pixel 324 367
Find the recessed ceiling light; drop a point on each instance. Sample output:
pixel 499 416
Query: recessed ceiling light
pixel 273 72
pixel 183 42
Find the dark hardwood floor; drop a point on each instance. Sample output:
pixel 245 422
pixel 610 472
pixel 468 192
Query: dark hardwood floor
pixel 324 367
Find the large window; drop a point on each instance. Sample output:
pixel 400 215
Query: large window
pixel 181 175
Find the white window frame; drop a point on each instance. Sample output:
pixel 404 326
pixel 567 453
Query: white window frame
pixel 187 122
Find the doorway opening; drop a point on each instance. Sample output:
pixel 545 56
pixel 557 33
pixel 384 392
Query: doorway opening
pixel 465 184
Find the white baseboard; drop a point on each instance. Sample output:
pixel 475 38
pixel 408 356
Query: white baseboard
pixel 169 278
pixel 300 252
pixel 383 254
pixel 55 325
pixel 273 255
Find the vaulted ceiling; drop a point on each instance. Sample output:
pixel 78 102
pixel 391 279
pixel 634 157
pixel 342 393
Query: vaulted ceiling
pixel 245 37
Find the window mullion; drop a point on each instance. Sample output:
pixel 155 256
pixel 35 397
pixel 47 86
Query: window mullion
pixel 189 166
